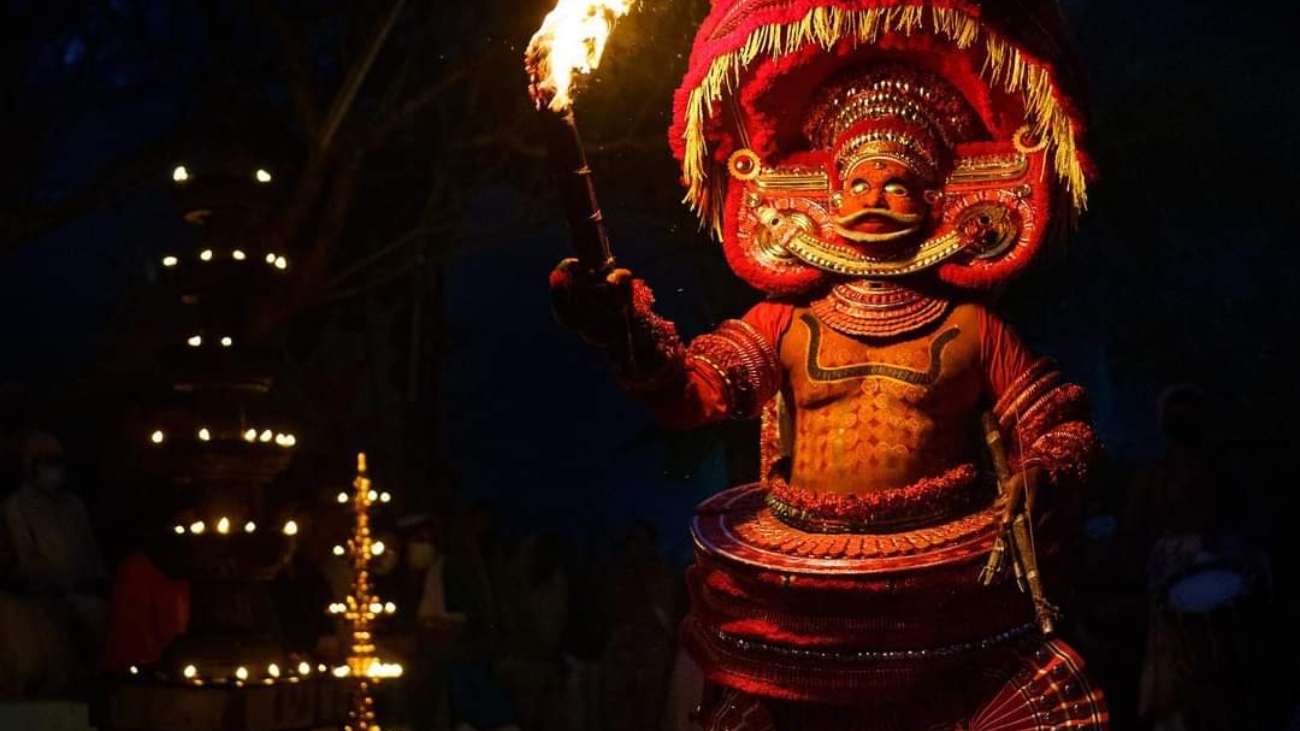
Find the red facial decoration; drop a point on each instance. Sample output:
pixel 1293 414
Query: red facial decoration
pixel 789 226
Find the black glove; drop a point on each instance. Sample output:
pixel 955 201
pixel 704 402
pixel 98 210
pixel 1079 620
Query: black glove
pixel 593 305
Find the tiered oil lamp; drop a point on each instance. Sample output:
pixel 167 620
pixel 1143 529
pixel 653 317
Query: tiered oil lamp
pixel 218 440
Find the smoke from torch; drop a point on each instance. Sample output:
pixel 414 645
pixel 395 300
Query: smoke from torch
pixel 570 42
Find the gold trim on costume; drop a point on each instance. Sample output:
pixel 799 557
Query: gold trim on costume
pixel 845 260
pixel 810 179
pixel 988 168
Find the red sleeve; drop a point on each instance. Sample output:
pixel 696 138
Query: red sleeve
pixel 693 399
pixel 728 373
pixel 771 319
pixel 1002 354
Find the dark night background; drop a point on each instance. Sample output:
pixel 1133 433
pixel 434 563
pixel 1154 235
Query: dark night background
pixel 422 332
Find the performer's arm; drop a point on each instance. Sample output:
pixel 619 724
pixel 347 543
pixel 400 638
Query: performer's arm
pixel 1044 416
pixel 727 373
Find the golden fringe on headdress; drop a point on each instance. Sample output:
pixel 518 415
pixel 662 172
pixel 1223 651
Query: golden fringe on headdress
pixel 1003 64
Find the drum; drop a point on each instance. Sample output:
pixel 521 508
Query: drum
pixel 1216 615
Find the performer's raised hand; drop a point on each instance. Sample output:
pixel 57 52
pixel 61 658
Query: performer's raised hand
pixel 592 304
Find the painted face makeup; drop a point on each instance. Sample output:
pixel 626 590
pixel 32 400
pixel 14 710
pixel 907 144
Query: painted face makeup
pixel 882 201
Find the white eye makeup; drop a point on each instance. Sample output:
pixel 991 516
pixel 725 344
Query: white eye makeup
pixel 896 188
pixel 859 186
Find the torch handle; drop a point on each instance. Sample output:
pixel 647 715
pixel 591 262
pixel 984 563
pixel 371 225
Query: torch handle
pixel 577 191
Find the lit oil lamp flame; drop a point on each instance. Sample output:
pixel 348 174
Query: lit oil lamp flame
pixel 571 41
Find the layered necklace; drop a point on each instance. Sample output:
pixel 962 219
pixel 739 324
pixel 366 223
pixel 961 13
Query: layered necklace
pixel 877 309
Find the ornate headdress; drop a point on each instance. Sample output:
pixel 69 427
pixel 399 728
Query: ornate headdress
pixel 890 110
pixel 781 95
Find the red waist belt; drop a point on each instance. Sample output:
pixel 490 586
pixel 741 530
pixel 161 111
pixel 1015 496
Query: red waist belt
pixel 926 502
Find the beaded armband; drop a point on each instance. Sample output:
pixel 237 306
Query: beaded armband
pixel 652 353
pixel 746 363
pixel 1065 452
pixel 1024 391
pixel 1047 418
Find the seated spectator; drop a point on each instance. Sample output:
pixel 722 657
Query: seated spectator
pixel 151 607
pixel 38 650
pixel 56 573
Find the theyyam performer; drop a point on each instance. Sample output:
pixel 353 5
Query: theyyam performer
pixel 878 170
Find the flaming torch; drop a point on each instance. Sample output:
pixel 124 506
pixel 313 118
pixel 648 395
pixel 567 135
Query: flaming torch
pixel 569 43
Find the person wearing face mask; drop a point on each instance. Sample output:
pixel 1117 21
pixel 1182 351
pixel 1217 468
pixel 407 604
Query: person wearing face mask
pixel 428 701
pixel 420 551
pixel 424 561
pixel 54 552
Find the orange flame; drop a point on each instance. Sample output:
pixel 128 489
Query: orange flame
pixel 571 41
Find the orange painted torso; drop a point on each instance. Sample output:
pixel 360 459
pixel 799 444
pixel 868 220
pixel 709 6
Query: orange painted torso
pixel 874 416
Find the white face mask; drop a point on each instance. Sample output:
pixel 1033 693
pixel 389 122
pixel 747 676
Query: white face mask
pixel 49 478
pixel 420 554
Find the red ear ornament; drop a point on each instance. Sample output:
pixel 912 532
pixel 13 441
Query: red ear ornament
pixel 997 201
pixel 765 204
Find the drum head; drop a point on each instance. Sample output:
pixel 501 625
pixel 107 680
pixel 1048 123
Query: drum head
pixel 1205 589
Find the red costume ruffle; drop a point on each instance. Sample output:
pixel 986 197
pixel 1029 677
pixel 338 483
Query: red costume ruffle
pixel 842 625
